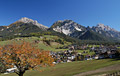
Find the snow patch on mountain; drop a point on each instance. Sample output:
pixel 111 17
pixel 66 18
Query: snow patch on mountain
pixel 57 29
pixel 66 32
pixel 78 29
pixel 1 29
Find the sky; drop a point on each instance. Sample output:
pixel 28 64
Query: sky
pixel 46 12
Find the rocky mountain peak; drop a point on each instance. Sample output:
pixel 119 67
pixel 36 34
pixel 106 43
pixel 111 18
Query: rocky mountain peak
pixel 103 27
pixel 67 27
pixel 28 20
pixel 64 21
pixel 106 30
pixel 100 25
pixel 67 20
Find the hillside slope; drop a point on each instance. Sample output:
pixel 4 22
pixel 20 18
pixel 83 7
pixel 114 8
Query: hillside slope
pixel 46 42
pixel 90 35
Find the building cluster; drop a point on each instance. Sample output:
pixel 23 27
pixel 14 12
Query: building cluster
pixel 70 55
pixel 105 52
pixel 64 56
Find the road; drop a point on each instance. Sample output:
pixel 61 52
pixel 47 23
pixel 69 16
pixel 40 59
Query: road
pixel 101 70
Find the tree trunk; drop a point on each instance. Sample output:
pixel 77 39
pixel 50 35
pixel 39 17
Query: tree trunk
pixel 21 73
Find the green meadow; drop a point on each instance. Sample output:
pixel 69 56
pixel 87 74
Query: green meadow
pixel 54 46
pixel 70 69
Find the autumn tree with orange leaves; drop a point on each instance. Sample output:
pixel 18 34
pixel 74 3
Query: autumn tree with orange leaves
pixel 24 56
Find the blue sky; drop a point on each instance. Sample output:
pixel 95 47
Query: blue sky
pixel 46 12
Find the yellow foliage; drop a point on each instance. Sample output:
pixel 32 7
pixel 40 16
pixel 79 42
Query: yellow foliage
pixel 25 55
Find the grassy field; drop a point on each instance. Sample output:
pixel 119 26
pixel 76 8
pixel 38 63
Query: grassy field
pixel 42 45
pixel 94 45
pixel 118 47
pixel 87 52
pixel 69 69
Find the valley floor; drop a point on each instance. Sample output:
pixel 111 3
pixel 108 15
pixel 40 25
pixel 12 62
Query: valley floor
pixel 77 68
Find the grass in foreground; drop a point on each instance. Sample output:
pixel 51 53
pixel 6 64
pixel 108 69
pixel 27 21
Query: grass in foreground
pixel 103 73
pixel 69 69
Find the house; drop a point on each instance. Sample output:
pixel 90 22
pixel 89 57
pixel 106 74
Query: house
pixel 88 57
pixel 11 70
pixel 96 57
pixel 69 61
pixel 105 51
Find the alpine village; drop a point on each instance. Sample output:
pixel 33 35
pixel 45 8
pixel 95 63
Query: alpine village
pixel 28 48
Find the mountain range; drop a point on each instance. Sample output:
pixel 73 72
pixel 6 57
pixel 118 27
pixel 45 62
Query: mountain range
pixel 73 29
pixel 70 28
